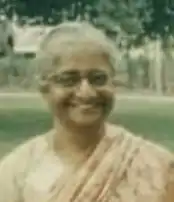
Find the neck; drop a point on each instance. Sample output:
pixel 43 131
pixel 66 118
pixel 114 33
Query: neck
pixel 78 139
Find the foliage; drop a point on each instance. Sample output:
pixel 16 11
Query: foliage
pixel 17 72
pixel 133 16
pixel 118 15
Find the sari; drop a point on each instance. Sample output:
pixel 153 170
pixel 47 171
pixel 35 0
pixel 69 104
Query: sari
pixel 122 168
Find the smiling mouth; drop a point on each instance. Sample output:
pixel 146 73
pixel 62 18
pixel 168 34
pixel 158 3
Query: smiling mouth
pixel 86 106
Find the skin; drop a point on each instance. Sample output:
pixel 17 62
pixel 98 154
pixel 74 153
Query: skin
pixel 80 96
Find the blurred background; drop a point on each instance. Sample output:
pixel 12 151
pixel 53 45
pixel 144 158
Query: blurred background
pixel 142 30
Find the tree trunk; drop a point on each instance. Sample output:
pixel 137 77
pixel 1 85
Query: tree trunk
pixel 158 65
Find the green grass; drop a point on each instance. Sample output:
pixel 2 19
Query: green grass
pixel 21 119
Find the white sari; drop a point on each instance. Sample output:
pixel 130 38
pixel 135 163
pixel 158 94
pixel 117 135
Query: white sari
pixel 123 168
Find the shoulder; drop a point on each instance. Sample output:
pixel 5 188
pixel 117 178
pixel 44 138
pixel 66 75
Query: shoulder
pixel 14 168
pixel 145 146
pixel 21 157
pixel 148 154
pixel 152 166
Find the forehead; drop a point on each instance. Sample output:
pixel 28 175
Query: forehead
pixel 85 61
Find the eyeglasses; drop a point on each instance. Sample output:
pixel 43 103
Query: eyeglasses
pixel 73 78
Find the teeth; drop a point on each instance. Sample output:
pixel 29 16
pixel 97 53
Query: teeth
pixel 86 105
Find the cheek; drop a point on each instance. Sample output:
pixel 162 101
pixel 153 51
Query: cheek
pixel 107 94
pixel 58 96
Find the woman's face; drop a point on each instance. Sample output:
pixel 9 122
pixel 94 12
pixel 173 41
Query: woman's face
pixel 82 91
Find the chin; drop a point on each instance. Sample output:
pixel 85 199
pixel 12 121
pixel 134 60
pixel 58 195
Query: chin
pixel 83 117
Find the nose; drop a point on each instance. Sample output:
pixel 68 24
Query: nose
pixel 85 90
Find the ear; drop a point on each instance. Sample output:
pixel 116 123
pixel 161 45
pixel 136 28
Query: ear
pixel 44 86
pixel 44 89
pixel 46 97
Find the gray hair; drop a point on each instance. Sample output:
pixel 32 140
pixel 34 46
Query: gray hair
pixel 69 37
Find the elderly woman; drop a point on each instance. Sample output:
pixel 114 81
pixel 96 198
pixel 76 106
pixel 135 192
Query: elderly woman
pixel 83 158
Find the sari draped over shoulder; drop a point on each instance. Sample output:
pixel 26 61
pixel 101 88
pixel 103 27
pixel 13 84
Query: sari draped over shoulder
pixel 101 173
pixel 122 168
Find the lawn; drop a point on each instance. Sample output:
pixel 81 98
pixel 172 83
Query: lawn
pixel 22 118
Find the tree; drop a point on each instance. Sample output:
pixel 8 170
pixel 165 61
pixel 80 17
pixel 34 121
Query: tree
pixel 134 17
pixel 126 17
pixel 6 37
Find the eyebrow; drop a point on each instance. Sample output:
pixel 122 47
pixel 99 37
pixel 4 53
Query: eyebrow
pixel 71 72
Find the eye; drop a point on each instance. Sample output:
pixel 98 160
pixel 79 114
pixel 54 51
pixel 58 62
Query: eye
pixel 98 78
pixel 67 79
